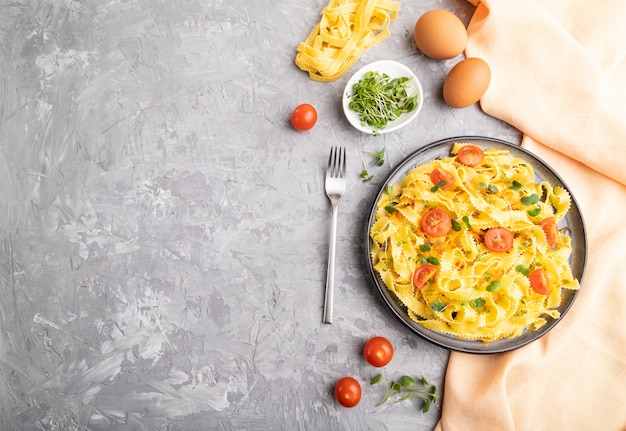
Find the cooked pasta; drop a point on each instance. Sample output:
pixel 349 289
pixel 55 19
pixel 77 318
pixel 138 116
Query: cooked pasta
pixel 346 29
pixel 473 292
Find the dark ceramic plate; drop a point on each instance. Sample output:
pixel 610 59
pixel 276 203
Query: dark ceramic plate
pixel 573 221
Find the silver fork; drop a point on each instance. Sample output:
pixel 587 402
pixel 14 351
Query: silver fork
pixel 335 186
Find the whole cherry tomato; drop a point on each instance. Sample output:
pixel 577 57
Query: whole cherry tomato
pixel 348 392
pixel 378 351
pixel 304 117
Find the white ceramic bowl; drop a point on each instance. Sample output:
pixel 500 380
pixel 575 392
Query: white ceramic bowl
pixel 394 70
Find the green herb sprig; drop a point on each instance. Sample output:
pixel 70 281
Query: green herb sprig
pixel 467 222
pixel 380 156
pixel 478 302
pixel 523 270
pixel 379 99
pixel 437 186
pixel 407 388
pixel 437 306
pixel 494 286
pixel 380 160
pixel 457 226
pixel 365 175
pixel 532 200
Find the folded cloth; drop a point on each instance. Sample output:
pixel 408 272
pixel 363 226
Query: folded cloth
pixel 558 75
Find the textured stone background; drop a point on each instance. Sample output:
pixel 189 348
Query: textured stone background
pixel 163 228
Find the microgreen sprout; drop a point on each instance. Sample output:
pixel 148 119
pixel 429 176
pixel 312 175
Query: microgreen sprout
pixel 433 260
pixel 493 286
pixel 406 388
pixel 478 302
pixel 437 186
pixel 365 175
pixel 530 200
pixel 522 270
pixel 437 306
pixel 467 222
pixel 456 226
pixel 380 157
pixel 516 185
pixel 425 248
pixel 491 188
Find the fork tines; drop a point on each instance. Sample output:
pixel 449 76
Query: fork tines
pixel 337 162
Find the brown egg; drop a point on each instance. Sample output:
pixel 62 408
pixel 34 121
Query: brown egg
pixel 440 34
pixel 467 82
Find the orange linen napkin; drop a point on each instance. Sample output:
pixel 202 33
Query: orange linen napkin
pixel 558 75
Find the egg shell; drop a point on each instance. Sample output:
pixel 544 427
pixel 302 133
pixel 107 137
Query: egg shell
pixel 440 34
pixel 467 82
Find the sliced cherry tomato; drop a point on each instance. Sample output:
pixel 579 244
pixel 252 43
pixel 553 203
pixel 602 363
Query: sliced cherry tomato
pixel 378 351
pixel 499 239
pixel 548 226
pixel 470 155
pixel 348 392
pixel 423 274
pixel 436 222
pixel 539 281
pixel 304 117
pixel 439 175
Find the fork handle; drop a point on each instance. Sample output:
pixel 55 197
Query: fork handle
pixel 330 274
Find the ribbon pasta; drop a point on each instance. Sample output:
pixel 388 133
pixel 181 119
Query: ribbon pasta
pixel 346 29
pixel 462 299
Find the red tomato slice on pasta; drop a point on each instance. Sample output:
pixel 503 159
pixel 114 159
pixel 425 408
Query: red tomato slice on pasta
pixel 423 274
pixel 499 239
pixel 470 155
pixel 440 175
pixel 436 222
pixel 550 229
pixel 539 281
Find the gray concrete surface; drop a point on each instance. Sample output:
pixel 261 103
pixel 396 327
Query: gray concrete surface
pixel 164 230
